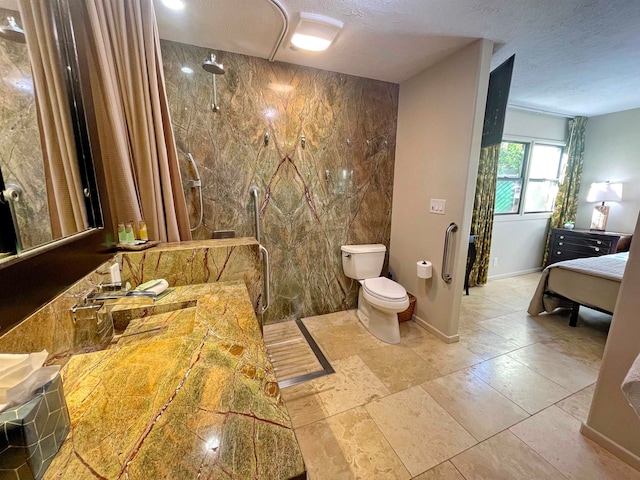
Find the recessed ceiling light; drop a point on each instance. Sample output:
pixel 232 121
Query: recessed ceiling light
pixel 174 4
pixel 315 32
pixel 187 70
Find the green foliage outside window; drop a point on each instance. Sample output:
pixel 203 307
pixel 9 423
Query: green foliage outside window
pixel 509 184
pixel 511 159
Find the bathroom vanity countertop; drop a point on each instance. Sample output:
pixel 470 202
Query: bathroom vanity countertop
pixel 188 393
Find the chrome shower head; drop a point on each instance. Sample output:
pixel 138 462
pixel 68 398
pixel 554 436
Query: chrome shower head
pixel 212 66
pixel 10 30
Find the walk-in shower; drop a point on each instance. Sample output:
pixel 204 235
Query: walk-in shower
pixel 215 68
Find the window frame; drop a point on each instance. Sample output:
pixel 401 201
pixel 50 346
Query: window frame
pixel 531 143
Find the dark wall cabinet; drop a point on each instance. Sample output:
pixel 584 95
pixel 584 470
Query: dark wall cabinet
pixel 570 244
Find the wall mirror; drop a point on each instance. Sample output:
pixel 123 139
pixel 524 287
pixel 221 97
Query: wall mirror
pixel 47 176
pixel 51 235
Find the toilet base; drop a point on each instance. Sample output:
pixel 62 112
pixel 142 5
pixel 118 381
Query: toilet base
pixel 381 324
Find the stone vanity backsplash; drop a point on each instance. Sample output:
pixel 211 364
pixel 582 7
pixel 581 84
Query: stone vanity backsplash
pixel 52 327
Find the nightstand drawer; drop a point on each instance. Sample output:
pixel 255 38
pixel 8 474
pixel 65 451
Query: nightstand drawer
pixel 571 244
pixel 583 241
pixel 586 250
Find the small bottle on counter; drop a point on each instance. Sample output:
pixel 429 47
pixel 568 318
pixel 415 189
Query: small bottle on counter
pixel 142 231
pixel 131 238
pixel 122 234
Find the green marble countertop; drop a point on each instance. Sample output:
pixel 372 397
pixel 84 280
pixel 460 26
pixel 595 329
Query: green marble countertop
pixel 181 394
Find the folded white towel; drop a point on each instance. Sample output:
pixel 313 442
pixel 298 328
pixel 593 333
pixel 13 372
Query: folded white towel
pixel 631 385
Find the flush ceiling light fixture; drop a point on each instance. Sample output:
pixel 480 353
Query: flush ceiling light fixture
pixel 315 32
pixel 173 4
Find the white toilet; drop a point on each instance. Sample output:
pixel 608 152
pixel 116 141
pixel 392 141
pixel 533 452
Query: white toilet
pixel 379 299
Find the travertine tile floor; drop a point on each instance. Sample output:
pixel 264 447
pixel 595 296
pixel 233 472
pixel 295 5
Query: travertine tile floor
pixel 506 402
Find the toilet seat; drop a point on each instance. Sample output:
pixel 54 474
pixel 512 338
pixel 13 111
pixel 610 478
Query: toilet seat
pixel 382 288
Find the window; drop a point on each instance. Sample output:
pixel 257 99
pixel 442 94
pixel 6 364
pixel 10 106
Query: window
pixel 510 176
pixel 539 164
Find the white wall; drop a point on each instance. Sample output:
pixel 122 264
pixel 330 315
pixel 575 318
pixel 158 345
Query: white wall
pixel 612 152
pixel 612 422
pixel 518 240
pixel 440 116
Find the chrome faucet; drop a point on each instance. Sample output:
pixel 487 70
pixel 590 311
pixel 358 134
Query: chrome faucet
pixel 92 318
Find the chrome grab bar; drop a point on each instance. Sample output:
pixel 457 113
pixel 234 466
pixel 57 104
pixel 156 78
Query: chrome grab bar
pixel 446 276
pixel 254 193
pixel 266 278
pixel 264 254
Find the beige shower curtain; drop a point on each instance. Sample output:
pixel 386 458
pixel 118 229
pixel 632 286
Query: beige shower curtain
pixel 64 185
pixel 136 139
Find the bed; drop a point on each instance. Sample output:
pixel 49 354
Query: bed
pixel 593 282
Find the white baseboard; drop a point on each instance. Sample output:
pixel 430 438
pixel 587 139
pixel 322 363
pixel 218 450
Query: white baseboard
pixel 605 442
pixel 514 274
pixel 430 328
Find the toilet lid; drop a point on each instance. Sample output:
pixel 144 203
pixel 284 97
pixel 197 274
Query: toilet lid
pixel 385 289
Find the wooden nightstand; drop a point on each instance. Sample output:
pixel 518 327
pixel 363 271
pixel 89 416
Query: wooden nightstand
pixel 569 244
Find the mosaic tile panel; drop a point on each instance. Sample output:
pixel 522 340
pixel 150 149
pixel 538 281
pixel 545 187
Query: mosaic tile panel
pixel 325 175
pixel 32 434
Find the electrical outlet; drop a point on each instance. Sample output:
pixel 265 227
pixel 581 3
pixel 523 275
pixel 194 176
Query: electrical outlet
pixel 495 261
pixel 437 206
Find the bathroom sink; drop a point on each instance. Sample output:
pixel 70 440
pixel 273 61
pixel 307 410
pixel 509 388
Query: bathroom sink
pixel 123 315
pixel 113 324
pixel 159 323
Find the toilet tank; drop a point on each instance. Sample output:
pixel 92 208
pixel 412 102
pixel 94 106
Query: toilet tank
pixel 363 261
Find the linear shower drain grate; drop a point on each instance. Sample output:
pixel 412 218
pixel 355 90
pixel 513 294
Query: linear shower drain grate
pixel 294 354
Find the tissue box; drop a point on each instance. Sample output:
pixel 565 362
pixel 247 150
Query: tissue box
pixel 32 433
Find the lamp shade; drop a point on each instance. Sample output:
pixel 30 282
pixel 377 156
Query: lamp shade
pixel 605 192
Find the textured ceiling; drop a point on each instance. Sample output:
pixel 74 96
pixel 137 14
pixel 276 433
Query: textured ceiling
pixel 573 57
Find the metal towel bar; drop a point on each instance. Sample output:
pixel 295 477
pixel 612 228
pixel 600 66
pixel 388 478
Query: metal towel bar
pixel 451 229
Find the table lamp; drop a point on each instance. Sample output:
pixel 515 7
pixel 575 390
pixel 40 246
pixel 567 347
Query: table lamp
pixel 603 192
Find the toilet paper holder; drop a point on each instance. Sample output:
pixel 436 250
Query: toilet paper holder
pixel 424 269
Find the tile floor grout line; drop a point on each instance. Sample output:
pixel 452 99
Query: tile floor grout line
pixel 516 315
pixel 543 375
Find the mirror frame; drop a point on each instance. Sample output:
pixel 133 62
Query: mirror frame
pixel 33 278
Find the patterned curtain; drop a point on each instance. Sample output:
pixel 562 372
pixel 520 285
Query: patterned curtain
pixel 482 222
pixel 569 187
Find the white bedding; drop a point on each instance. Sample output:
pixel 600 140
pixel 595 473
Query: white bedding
pixel 599 277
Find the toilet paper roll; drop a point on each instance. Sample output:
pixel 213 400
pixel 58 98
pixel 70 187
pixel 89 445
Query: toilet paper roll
pixel 424 269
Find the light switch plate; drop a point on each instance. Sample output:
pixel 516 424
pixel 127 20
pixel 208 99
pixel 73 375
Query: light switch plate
pixel 437 206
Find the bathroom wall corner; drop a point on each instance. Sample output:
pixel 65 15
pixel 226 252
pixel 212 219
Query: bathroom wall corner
pixel 440 118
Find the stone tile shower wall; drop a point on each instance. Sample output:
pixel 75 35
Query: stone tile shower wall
pixel 20 151
pixel 335 189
